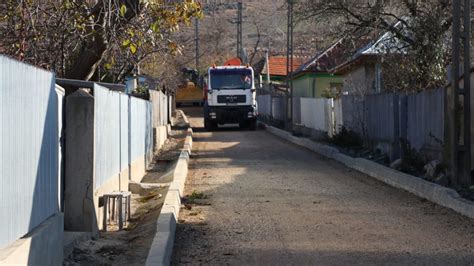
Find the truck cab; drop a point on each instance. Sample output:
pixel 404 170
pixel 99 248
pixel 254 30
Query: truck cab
pixel 230 97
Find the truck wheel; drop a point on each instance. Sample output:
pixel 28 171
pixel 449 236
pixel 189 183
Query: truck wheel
pixel 253 125
pixel 209 125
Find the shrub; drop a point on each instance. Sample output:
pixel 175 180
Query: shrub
pixel 347 138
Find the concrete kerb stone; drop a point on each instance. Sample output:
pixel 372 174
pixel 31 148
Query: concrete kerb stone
pixel 143 188
pixel 162 246
pixel 185 118
pixel 440 195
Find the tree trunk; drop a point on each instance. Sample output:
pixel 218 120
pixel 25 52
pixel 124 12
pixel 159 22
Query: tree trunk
pixel 88 59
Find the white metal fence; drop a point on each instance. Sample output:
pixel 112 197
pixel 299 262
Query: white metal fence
pixel 316 113
pixel 141 130
pixel 123 132
pixel 161 108
pixel 272 107
pixel 29 150
pixel 111 133
pixel 382 120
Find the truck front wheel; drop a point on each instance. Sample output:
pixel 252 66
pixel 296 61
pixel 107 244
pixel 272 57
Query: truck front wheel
pixel 253 125
pixel 209 125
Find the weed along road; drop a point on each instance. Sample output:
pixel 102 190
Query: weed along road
pixel 252 198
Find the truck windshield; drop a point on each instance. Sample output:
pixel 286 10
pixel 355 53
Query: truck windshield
pixel 223 81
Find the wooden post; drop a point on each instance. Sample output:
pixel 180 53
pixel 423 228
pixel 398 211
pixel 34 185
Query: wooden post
pixel 104 222
pixel 120 206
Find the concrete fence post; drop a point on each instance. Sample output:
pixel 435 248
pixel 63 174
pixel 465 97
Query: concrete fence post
pixel 79 211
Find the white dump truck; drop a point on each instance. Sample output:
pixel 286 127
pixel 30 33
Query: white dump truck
pixel 230 97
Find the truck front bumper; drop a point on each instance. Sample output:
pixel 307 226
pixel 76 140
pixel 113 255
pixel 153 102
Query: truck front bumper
pixel 230 114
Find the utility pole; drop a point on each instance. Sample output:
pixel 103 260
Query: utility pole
pixel 197 43
pixel 289 64
pixel 458 111
pixel 268 68
pixel 239 29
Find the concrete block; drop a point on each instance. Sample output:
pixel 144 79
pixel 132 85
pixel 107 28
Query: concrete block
pixel 160 135
pixel 42 246
pixel 138 169
pixel 143 189
pixel 162 247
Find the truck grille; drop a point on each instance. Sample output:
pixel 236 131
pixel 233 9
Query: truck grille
pixel 231 99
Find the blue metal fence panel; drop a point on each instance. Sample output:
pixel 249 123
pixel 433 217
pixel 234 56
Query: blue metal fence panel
pixel 353 114
pixel 279 108
pixel 124 149
pixel 149 132
pixel 29 145
pixel 107 134
pixel 264 104
pixel 141 128
pixel 164 109
pixel 425 123
pixel 381 117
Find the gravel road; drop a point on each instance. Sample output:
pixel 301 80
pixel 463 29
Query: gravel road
pixel 261 200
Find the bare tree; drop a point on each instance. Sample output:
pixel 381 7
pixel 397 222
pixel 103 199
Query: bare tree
pixel 76 37
pixel 422 25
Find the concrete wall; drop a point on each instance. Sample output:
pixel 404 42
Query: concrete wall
pixel 42 246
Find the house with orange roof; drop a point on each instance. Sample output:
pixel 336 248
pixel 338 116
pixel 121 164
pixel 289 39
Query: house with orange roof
pixel 276 67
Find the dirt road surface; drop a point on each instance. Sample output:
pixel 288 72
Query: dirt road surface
pixel 260 200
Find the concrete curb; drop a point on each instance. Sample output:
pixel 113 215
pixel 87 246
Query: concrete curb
pixel 162 246
pixel 185 118
pixel 440 195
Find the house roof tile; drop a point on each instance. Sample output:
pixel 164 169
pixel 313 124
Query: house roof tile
pixel 278 65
